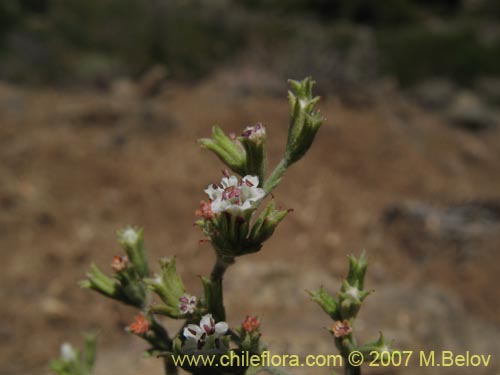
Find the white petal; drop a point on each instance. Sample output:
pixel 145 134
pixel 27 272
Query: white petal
pixel 229 181
pixel 206 320
pixel 221 328
pixel 218 206
pixel 213 193
pixel 188 332
pixel 254 180
pixel 246 205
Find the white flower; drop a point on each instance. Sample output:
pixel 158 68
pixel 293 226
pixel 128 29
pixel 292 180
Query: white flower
pixel 196 336
pixel 187 304
pixel 129 236
pixel 255 133
pixel 68 353
pixel 353 292
pixel 235 196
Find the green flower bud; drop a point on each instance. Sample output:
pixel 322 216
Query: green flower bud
pixel 169 287
pixel 304 121
pixel 132 241
pixel 357 270
pixel 249 335
pixel 126 288
pixel 226 149
pixel 265 225
pixel 350 298
pixel 74 362
pixel 380 345
pixel 253 140
pixel 328 303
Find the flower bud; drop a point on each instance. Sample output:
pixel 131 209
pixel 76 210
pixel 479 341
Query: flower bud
pixel 380 345
pixel 249 335
pixel 100 282
pixel 251 324
pixel 341 329
pixel 169 287
pixel 253 140
pixel 126 287
pixel 265 225
pixel 119 263
pixel 132 241
pixel 350 298
pixel 74 362
pixel 304 121
pixel 226 149
pixel 68 353
pixel 328 303
pixel 357 270
pixel 140 325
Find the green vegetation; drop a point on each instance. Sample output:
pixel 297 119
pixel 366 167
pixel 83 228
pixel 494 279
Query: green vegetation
pixel 90 41
pixel 414 54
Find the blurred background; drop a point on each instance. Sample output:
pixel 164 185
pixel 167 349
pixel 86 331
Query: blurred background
pixel 100 106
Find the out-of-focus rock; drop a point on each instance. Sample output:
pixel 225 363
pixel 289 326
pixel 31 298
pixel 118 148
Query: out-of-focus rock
pixel 54 308
pixel 469 112
pixel 427 318
pixel 435 94
pixel 461 221
pixel 152 81
pixel 489 89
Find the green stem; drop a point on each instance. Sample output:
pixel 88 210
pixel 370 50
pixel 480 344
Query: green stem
pixel 216 278
pixel 274 179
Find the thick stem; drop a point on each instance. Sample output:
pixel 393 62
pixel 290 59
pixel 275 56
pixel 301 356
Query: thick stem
pixel 216 278
pixel 275 177
pixel 351 370
pixel 170 368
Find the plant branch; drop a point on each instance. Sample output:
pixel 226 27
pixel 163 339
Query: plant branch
pixel 351 370
pixel 170 368
pixel 274 179
pixel 216 278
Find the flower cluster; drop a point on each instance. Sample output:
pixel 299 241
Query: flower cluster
pixel 236 222
pixel 343 309
pixel 235 196
pixel 197 335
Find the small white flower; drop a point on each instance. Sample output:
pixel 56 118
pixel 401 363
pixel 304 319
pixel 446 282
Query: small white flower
pixel 353 292
pixel 129 236
pixel 196 336
pixel 235 196
pixel 68 353
pixel 187 304
pixel 255 133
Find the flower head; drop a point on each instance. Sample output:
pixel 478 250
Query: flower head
pixel 119 263
pixel 187 304
pixel 196 336
pixel 140 325
pixel 129 236
pixel 341 328
pixel 255 133
pixel 251 324
pixel 235 196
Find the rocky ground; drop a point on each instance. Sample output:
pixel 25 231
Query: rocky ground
pixel 413 179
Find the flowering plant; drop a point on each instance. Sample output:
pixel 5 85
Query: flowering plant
pixel 236 221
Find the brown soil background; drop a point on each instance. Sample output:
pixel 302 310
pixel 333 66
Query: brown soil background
pixel 75 166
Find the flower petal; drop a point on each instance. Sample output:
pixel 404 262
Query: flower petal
pixel 192 331
pixel 221 328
